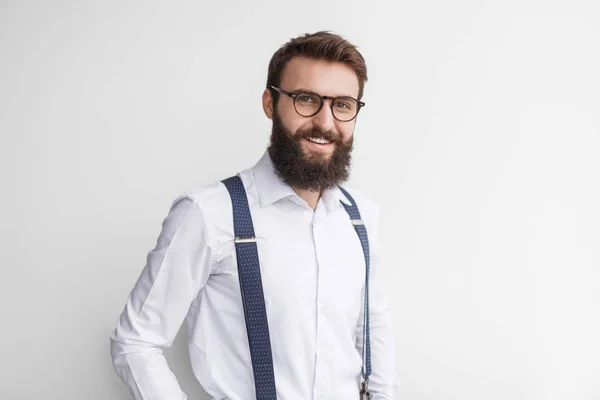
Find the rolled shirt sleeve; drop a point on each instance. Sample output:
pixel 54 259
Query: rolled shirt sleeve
pixel 176 270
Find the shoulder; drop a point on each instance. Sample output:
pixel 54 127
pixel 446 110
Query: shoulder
pixel 365 204
pixel 214 197
pixel 207 199
pixel 368 208
pixel 207 211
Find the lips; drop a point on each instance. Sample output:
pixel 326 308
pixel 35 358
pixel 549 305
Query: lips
pixel 318 140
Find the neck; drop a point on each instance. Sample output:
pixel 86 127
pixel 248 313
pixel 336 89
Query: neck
pixel 311 198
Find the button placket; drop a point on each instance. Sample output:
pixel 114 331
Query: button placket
pixel 323 361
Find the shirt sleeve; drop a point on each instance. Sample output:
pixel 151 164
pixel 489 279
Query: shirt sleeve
pixel 382 382
pixel 175 272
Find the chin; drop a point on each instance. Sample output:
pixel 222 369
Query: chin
pixel 319 158
pixel 317 153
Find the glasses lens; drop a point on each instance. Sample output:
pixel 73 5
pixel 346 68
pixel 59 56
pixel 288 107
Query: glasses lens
pixel 307 104
pixel 344 108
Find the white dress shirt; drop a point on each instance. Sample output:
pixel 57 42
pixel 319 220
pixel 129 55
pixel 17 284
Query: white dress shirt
pixel 313 274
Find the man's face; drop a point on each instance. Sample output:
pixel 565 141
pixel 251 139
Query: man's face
pixel 298 160
pixel 326 79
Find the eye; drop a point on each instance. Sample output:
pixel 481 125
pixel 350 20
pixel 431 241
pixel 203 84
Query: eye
pixel 306 98
pixel 342 105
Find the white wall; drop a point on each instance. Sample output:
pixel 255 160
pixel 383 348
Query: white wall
pixel 480 141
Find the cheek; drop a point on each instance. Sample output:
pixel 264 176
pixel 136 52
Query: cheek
pixel 291 120
pixel 346 130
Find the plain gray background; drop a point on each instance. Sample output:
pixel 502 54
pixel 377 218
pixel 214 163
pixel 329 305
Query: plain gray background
pixel 480 141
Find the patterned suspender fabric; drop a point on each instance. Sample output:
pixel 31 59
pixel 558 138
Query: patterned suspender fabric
pixel 252 292
pixel 253 297
pixel 361 230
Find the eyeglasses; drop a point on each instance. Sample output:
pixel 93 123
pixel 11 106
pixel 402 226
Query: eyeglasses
pixel 308 104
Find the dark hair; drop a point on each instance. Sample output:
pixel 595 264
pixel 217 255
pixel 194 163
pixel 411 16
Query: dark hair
pixel 321 45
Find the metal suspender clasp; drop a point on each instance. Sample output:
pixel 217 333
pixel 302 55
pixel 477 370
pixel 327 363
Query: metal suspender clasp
pixel 245 239
pixel 364 390
pixel 357 222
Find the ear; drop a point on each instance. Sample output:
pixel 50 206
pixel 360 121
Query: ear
pixel 267 101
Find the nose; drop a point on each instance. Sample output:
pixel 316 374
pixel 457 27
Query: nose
pixel 324 119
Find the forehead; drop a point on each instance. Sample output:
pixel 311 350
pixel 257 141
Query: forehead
pixel 322 77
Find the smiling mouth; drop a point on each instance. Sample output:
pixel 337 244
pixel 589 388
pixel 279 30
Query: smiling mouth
pixel 318 140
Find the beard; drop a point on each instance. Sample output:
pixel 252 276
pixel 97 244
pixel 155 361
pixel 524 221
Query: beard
pixel 314 172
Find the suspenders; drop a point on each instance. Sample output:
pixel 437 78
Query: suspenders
pixel 253 297
pixel 252 291
pixel 361 231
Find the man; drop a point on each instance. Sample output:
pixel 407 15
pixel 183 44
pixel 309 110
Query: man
pixel 312 264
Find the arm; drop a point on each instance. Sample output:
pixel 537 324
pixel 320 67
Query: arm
pixel 175 272
pixel 382 382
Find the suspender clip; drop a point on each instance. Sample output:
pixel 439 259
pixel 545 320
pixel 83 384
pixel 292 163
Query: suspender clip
pixel 364 390
pixel 245 239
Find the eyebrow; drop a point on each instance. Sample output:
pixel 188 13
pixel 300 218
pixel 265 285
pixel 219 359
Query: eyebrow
pixel 303 90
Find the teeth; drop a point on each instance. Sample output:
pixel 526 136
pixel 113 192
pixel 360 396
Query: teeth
pixel 319 140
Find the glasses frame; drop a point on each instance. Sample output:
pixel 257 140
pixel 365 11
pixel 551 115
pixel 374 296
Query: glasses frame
pixel 295 94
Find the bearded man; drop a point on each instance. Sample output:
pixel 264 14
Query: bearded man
pixel 277 270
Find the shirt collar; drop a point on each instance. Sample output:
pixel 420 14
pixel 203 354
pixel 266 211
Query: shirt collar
pixel 271 188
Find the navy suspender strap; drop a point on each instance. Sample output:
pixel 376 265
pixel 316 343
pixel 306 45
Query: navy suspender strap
pixel 361 230
pixel 253 297
pixel 252 292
